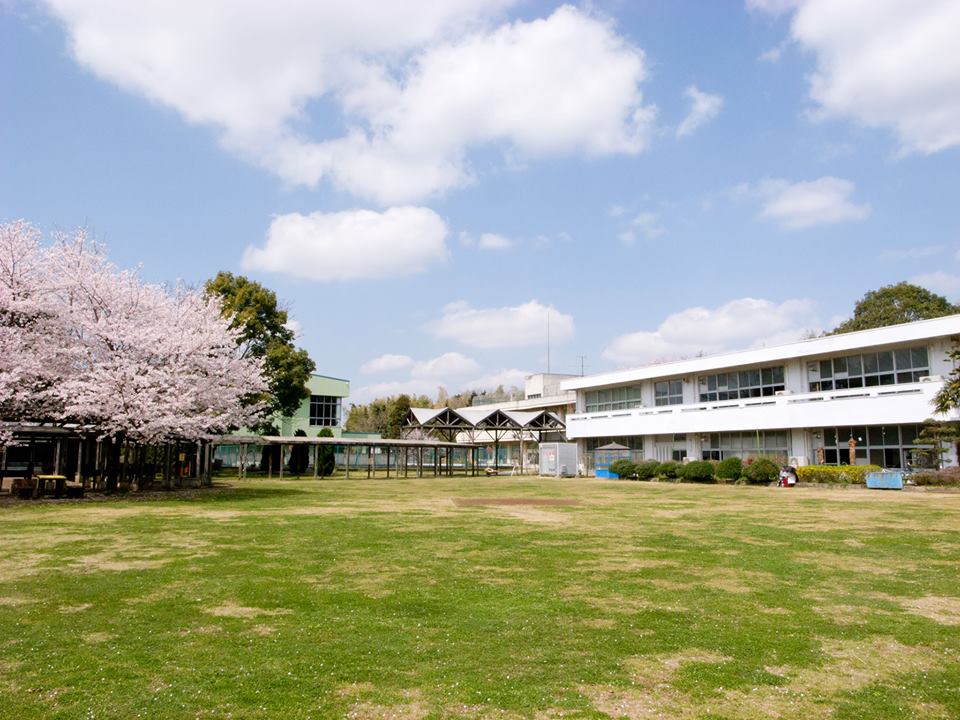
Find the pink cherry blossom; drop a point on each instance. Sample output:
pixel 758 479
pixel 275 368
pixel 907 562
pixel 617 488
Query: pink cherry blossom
pixel 84 342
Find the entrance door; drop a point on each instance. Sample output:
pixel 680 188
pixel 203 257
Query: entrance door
pixel 663 451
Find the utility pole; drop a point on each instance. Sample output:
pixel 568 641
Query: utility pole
pixel 582 358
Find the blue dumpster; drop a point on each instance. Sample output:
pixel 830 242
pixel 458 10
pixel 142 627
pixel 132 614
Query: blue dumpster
pixel 885 480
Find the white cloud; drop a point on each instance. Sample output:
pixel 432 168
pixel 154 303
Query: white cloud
pixel 941 282
pixel 703 108
pixel 745 322
pixel 352 244
pixel 294 326
pixel 412 387
pixel 648 223
pixel 415 84
pixel 493 241
pixel 798 205
pixel 451 364
pixel 506 377
pixel 884 64
pixel 616 210
pixel 386 363
pixel 774 7
pixel 911 253
pixel 426 376
pixel 502 327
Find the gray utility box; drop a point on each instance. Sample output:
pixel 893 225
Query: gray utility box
pixel 558 459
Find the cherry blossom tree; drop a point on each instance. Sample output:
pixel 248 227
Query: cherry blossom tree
pixel 82 341
pixel 32 339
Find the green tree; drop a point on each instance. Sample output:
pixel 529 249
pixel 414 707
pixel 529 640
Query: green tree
pixel 299 456
pixel 935 439
pixel 396 415
pixel 894 304
pixel 326 455
pixel 383 415
pixel 256 313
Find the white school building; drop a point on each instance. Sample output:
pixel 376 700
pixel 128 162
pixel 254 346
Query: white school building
pixel 803 401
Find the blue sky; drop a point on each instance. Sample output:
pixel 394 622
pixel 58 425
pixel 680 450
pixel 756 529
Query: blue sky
pixel 421 184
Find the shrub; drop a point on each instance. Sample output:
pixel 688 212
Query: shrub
pixel 698 471
pixel 835 474
pixel 670 470
pixel 730 468
pixel 647 470
pixel 761 471
pixel 299 456
pixel 946 477
pixel 623 468
pixel 326 455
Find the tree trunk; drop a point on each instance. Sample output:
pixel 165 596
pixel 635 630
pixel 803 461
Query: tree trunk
pixel 112 478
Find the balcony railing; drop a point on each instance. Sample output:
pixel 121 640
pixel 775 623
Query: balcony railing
pixel 784 400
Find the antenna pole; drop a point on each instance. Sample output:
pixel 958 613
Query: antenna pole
pixel 548 341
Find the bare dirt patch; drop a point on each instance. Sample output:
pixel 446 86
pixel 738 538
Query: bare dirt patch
pixel 364 575
pixel 844 614
pixel 70 609
pixel 734 580
pixel 600 623
pixel 510 501
pixel 806 693
pixel 849 563
pixel 109 563
pixel 413 707
pixel 653 696
pixel 608 602
pixel 944 610
pixel 262 630
pixel 20 565
pixel 624 563
pixel 201 630
pixel 234 610
pixel 13 600
pixel 531 515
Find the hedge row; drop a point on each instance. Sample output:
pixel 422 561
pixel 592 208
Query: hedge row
pixel 834 474
pixel 758 471
pixel 762 471
pixel 946 477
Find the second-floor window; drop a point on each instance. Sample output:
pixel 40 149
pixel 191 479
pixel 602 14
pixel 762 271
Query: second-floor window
pixel 668 392
pixel 758 382
pixel 886 367
pixel 325 410
pixel 619 398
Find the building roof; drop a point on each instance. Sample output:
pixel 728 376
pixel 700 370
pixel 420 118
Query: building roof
pixel 828 345
pixel 328 377
pixel 481 418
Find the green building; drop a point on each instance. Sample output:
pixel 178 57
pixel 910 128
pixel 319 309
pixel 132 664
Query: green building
pixel 324 408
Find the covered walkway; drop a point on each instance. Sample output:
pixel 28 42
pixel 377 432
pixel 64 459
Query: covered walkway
pixel 482 425
pixel 402 456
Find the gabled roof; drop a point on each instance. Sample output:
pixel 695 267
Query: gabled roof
pixel 482 418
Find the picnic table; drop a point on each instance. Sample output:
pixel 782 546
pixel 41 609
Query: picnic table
pixel 39 485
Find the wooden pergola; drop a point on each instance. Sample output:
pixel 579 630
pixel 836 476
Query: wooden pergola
pixel 407 453
pixel 495 423
pixel 74 454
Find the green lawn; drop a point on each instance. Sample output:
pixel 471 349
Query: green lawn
pixel 389 599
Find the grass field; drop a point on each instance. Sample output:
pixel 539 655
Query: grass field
pixel 478 598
